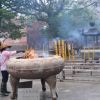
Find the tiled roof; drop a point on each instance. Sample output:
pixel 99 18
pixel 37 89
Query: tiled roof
pixel 91 31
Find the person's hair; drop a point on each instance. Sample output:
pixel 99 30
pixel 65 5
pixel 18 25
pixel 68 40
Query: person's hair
pixel 3 49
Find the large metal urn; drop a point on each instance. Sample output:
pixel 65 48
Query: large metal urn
pixel 38 68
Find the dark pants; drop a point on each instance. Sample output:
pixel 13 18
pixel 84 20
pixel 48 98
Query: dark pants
pixel 5 76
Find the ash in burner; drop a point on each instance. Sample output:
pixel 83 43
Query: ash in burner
pixel 45 55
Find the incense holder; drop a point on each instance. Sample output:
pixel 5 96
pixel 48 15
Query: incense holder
pixel 38 68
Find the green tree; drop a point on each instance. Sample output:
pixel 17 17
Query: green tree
pixel 76 20
pixel 9 22
pixel 48 10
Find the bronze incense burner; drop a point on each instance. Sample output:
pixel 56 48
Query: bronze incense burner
pixel 38 68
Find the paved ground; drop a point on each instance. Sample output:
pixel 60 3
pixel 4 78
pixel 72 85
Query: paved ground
pixel 67 90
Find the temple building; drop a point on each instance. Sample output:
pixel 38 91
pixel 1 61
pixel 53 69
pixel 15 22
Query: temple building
pixel 91 36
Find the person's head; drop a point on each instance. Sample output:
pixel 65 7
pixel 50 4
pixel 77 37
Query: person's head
pixel 4 46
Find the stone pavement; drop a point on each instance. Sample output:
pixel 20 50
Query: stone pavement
pixel 67 90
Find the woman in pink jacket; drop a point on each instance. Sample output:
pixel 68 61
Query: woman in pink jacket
pixel 5 56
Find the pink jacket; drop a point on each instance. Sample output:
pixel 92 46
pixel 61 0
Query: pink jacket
pixel 5 56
